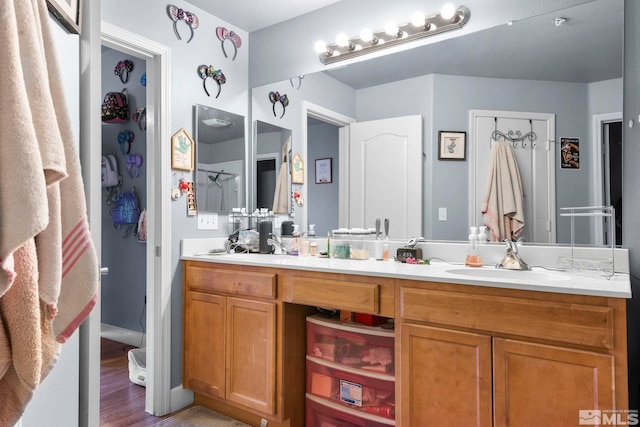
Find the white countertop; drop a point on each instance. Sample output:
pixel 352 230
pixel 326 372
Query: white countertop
pixel 538 279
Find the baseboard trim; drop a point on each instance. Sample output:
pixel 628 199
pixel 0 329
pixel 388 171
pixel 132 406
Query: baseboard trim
pixel 125 336
pixel 180 398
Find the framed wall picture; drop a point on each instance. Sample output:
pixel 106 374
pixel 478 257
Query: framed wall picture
pixel 297 170
pixel 182 151
pixel 67 12
pixel 452 145
pixel 323 171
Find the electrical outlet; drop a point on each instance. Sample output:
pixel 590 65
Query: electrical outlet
pixel 208 221
pixel 263 423
pixel 442 214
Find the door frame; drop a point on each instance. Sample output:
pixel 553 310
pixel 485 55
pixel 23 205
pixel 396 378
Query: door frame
pixel 158 286
pixel 342 122
pixel 598 174
pixel 550 119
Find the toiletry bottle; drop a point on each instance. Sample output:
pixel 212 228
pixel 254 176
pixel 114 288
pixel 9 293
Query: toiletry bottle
pixel 483 237
pixel 474 259
pixel 329 244
pixel 295 242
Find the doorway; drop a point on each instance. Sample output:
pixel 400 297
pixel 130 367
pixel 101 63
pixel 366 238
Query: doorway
pixel 123 247
pixel 612 182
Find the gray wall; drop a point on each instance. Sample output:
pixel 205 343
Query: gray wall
pixel 444 103
pixel 322 201
pixel 186 90
pixel 123 290
pixel 631 184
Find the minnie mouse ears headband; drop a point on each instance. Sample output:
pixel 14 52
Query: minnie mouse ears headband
pixel 282 99
pixel 224 34
pixel 122 70
pixel 206 71
pixel 125 137
pixel 176 14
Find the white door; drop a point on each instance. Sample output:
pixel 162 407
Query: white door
pixel 535 162
pixel 391 191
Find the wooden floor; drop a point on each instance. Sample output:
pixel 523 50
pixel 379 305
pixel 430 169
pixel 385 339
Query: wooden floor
pixel 121 401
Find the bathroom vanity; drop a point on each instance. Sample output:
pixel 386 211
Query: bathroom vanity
pixel 471 347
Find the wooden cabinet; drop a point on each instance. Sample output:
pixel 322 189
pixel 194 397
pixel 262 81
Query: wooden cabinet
pixel 536 384
pixel 464 355
pixel 445 377
pixel 491 357
pixel 251 354
pixel 243 349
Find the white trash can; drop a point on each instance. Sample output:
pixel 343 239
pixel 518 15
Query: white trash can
pixel 138 366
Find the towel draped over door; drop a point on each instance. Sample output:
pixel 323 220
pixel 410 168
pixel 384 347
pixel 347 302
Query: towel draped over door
pixel 502 204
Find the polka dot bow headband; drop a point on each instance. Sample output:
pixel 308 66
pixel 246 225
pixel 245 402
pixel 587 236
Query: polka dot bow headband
pixel 206 71
pixel 176 14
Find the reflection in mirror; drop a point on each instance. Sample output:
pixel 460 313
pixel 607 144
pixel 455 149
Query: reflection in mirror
pixel 273 181
pixel 220 159
pixel 573 72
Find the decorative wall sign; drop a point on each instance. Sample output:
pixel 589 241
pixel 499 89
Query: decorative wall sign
pixel 182 150
pixel 570 153
pixel 67 12
pixel 297 170
pixel 323 171
pixel 452 145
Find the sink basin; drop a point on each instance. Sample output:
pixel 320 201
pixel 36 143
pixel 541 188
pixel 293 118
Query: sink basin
pixel 502 274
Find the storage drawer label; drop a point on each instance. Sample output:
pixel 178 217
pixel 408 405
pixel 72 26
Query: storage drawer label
pixel 351 392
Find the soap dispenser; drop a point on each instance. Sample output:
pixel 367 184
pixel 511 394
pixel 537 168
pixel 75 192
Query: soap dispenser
pixel 483 237
pixel 474 259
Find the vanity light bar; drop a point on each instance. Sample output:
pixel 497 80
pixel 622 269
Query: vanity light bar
pixel 369 41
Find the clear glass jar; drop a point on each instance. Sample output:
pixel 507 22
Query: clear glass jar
pixel 340 243
pixel 359 243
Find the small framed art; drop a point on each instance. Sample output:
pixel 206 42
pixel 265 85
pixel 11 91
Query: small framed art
pixel 452 145
pixel 323 171
pixel 297 170
pixel 67 12
pixel 182 151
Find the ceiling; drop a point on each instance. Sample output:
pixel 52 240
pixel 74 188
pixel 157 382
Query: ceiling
pixel 253 15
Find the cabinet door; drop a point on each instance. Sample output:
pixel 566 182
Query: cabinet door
pixel 541 385
pixel 204 354
pixel 251 354
pixel 445 377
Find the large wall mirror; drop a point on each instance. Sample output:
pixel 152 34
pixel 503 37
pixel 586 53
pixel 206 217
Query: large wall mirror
pixel 572 70
pixel 220 159
pixel 272 165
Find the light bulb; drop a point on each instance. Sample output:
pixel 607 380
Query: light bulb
pixel 366 35
pixel 320 47
pixel 417 19
pixel 391 28
pixel 342 40
pixel 448 12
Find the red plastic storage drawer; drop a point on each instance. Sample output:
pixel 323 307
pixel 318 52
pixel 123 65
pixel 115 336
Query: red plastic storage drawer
pixel 321 413
pixel 357 346
pixel 362 391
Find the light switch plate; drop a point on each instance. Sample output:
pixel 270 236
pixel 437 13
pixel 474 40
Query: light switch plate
pixel 207 221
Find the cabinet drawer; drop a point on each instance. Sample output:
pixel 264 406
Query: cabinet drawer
pixel 234 282
pixel 582 324
pixel 351 345
pixel 338 294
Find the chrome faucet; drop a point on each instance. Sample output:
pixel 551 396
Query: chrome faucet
pixel 512 260
pixel 276 240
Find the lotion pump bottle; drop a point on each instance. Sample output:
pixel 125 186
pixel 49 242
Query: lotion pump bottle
pixel 482 235
pixel 295 242
pixel 474 259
